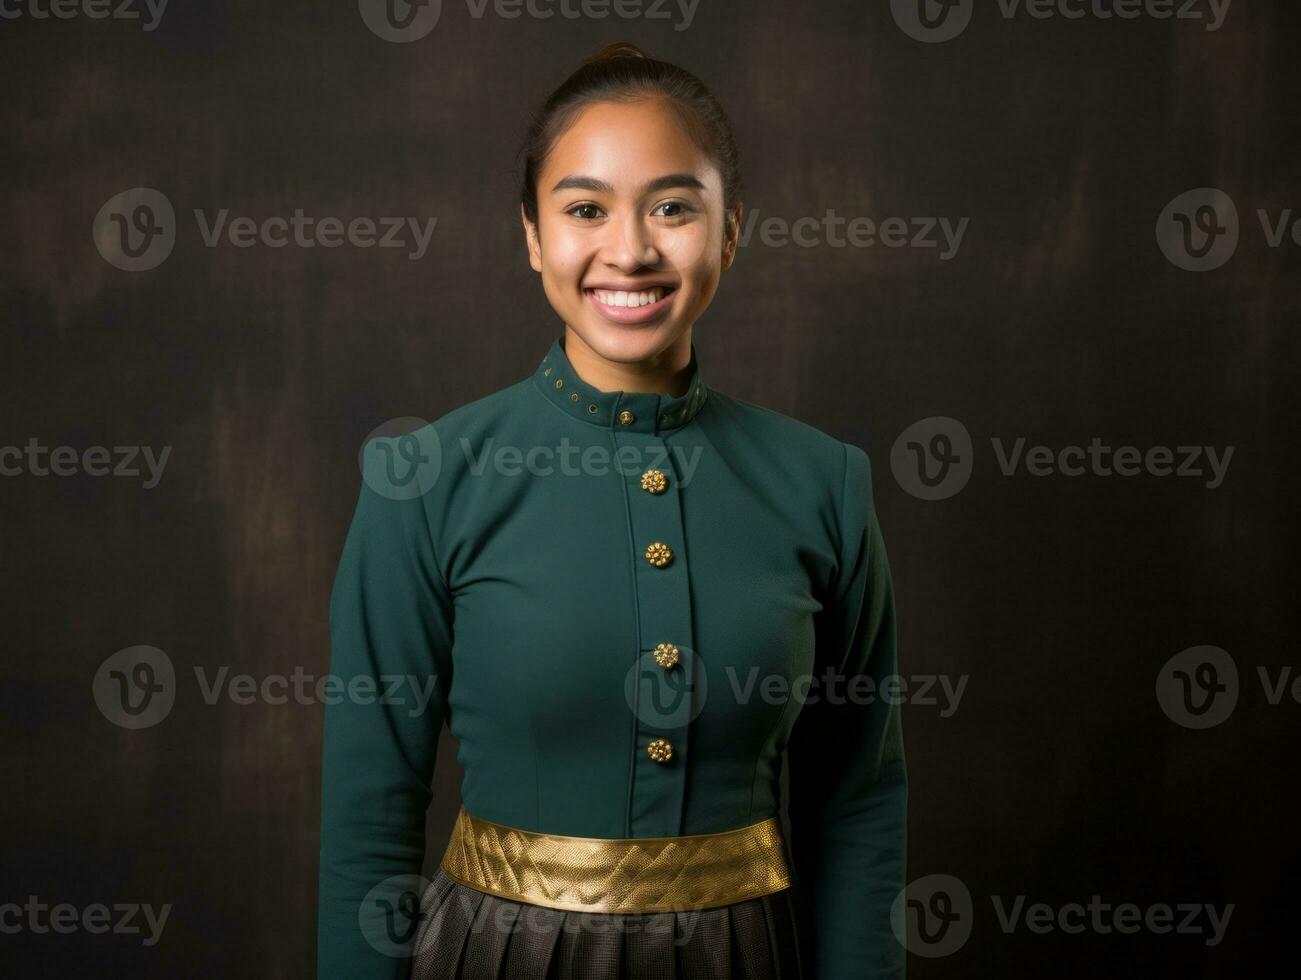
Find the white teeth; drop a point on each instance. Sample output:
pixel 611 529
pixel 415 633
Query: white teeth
pixel 620 298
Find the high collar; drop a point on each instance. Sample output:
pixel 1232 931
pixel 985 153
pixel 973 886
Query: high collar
pixel 627 411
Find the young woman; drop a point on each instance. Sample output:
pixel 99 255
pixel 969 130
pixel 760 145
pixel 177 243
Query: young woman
pixel 628 594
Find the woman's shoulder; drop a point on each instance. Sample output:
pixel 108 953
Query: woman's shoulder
pixel 785 435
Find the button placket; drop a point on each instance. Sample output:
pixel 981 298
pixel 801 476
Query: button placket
pixel 661 750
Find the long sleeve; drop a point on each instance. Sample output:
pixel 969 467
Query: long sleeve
pixel 847 779
pixel 390 627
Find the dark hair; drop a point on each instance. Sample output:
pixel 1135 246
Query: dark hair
pixel 622 72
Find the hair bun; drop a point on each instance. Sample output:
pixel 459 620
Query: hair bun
pixel 619 49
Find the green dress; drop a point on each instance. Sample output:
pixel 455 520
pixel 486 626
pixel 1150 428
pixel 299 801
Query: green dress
pixel 514 567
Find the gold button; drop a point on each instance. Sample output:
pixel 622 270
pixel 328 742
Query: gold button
pixel 658 554
pixel 667 655
pixel 654 481
pixel 626 417
pixel 659 749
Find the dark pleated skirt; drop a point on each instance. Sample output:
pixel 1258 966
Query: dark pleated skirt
pixel 465 934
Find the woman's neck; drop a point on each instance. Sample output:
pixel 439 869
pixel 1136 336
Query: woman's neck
pixel 668 373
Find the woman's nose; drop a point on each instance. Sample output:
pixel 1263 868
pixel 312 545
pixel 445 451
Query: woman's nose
pixel 631 244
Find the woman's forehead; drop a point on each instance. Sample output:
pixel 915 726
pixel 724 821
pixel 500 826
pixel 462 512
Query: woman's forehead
pixel 626 145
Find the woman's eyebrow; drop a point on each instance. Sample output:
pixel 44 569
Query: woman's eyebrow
pixel 579 182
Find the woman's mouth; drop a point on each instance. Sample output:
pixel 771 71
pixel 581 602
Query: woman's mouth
pixel 636 306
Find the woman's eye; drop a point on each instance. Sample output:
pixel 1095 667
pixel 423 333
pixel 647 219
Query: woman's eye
pixel 681 209
pixel 586 212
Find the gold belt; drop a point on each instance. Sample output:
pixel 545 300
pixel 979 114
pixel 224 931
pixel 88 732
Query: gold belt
pixel 624 875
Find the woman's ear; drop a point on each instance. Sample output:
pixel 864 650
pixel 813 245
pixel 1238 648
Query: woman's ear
pixel 531 240
pixel 731 234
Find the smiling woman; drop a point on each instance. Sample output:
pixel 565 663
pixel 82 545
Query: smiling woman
pixel 617 648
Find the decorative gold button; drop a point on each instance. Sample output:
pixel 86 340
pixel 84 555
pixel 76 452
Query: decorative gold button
pixel 659 749
pixel 654 481
pixel 667 655
pixel 658 554
pixel 626 417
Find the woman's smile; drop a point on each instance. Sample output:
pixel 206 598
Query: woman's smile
pixel 631 305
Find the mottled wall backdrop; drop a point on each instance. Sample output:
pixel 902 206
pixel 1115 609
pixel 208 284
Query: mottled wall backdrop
pixel 1038 257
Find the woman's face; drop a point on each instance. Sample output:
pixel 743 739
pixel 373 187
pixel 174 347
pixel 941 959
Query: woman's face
pixel 631 236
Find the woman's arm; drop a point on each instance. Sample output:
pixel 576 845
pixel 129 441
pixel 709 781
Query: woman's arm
pixel 848 785
pixel 390 626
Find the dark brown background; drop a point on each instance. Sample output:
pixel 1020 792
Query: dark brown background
pixel 1059 598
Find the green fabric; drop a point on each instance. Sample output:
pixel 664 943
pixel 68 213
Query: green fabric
pixel 509 577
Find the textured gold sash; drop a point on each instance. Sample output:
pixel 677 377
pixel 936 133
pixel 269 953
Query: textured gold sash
pixel 624 875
